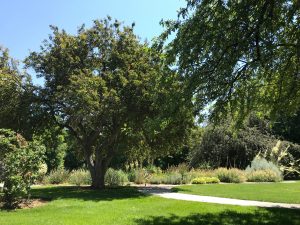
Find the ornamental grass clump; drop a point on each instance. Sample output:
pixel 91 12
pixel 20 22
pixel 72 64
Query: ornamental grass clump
pixel 115 177
pixel 80 177
pixel 230 175
pixel 263 176
pixel 262 170
pixel 58 176
pixel 172 178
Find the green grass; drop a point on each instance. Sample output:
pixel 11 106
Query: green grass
pixel 126 206
pixel 271 192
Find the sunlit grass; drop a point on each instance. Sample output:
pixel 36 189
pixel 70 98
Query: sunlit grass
pixel 272 192
pixel 124 206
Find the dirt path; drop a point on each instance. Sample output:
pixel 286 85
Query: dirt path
pixel 165 192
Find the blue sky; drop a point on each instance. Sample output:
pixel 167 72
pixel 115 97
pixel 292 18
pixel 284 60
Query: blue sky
pixel 25 24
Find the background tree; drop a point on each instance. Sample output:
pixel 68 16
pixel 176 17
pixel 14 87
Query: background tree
pixel 223 146
pixel 288 127
pixel 54 140
pixel 104 86
pixel 20 109
pixel 239 55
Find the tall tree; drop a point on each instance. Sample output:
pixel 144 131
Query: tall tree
pixel 19 108
pixel 105 87
pixel 239 55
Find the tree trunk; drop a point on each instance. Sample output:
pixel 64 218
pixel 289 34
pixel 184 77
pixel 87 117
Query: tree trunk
pixel 98 178
pixel 98 171
pixel 98 165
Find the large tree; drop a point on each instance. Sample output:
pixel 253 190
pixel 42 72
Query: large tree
pixel 20 109
pixel 110 91
pixel 239 55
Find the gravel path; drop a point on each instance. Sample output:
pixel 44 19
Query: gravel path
pixel 165 192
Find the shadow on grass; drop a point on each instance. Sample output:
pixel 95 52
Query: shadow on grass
pixel 178 189
pixel 228 217
pixel 85 193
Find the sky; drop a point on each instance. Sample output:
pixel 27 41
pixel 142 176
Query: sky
pixel 24 24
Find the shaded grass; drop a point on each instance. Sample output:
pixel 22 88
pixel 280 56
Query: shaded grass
pixel 126 206
pixel 271 192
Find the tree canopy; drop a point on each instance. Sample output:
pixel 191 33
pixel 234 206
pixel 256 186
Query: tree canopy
pixel 20 109
pixel 111 92
pixel 239 56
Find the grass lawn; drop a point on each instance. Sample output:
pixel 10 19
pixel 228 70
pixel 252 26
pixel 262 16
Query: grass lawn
pixel 271 192
pixel 124 206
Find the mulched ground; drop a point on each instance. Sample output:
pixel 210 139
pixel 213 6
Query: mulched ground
pixel 32 203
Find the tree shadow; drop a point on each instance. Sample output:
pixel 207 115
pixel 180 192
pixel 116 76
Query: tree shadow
pixel 86 193
pixel 178 189
pixel 228 217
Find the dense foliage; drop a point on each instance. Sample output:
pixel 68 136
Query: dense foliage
pixel 20 163
pixel 112 93
pixel 222 146
pixel 19 106
pixel 239 55
pixel 54 139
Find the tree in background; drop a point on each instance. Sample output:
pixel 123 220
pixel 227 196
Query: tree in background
pixel 104 86
pixel 288 127
pixel 73 157
pixel 54 140
pixel 19 104
pixel 239 56
pixel 223 146
pixel 220 146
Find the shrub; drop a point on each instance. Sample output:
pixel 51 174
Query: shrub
pixel 156 179
pixel 181 169
pixel 206 180
pixel 153 169
pixel 137 176
pixel 259 163
pixel 58 176
pixel 266 175
pixel 230 175
pixel 41 173
pixel 172 178
pixel 20 162
pixel 141 176
pixel 115 177
pixel 131 175
pixel 80 177
pixel 200 173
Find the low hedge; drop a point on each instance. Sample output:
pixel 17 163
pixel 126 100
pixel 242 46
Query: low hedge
pixel 206 180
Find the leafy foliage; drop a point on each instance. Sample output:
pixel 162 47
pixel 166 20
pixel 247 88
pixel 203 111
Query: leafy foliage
pixel 220 146
pixel 54 139
pixel 112 93
pixel 19 104
pixel 20 164
pixel 282 155
pixel 238 55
